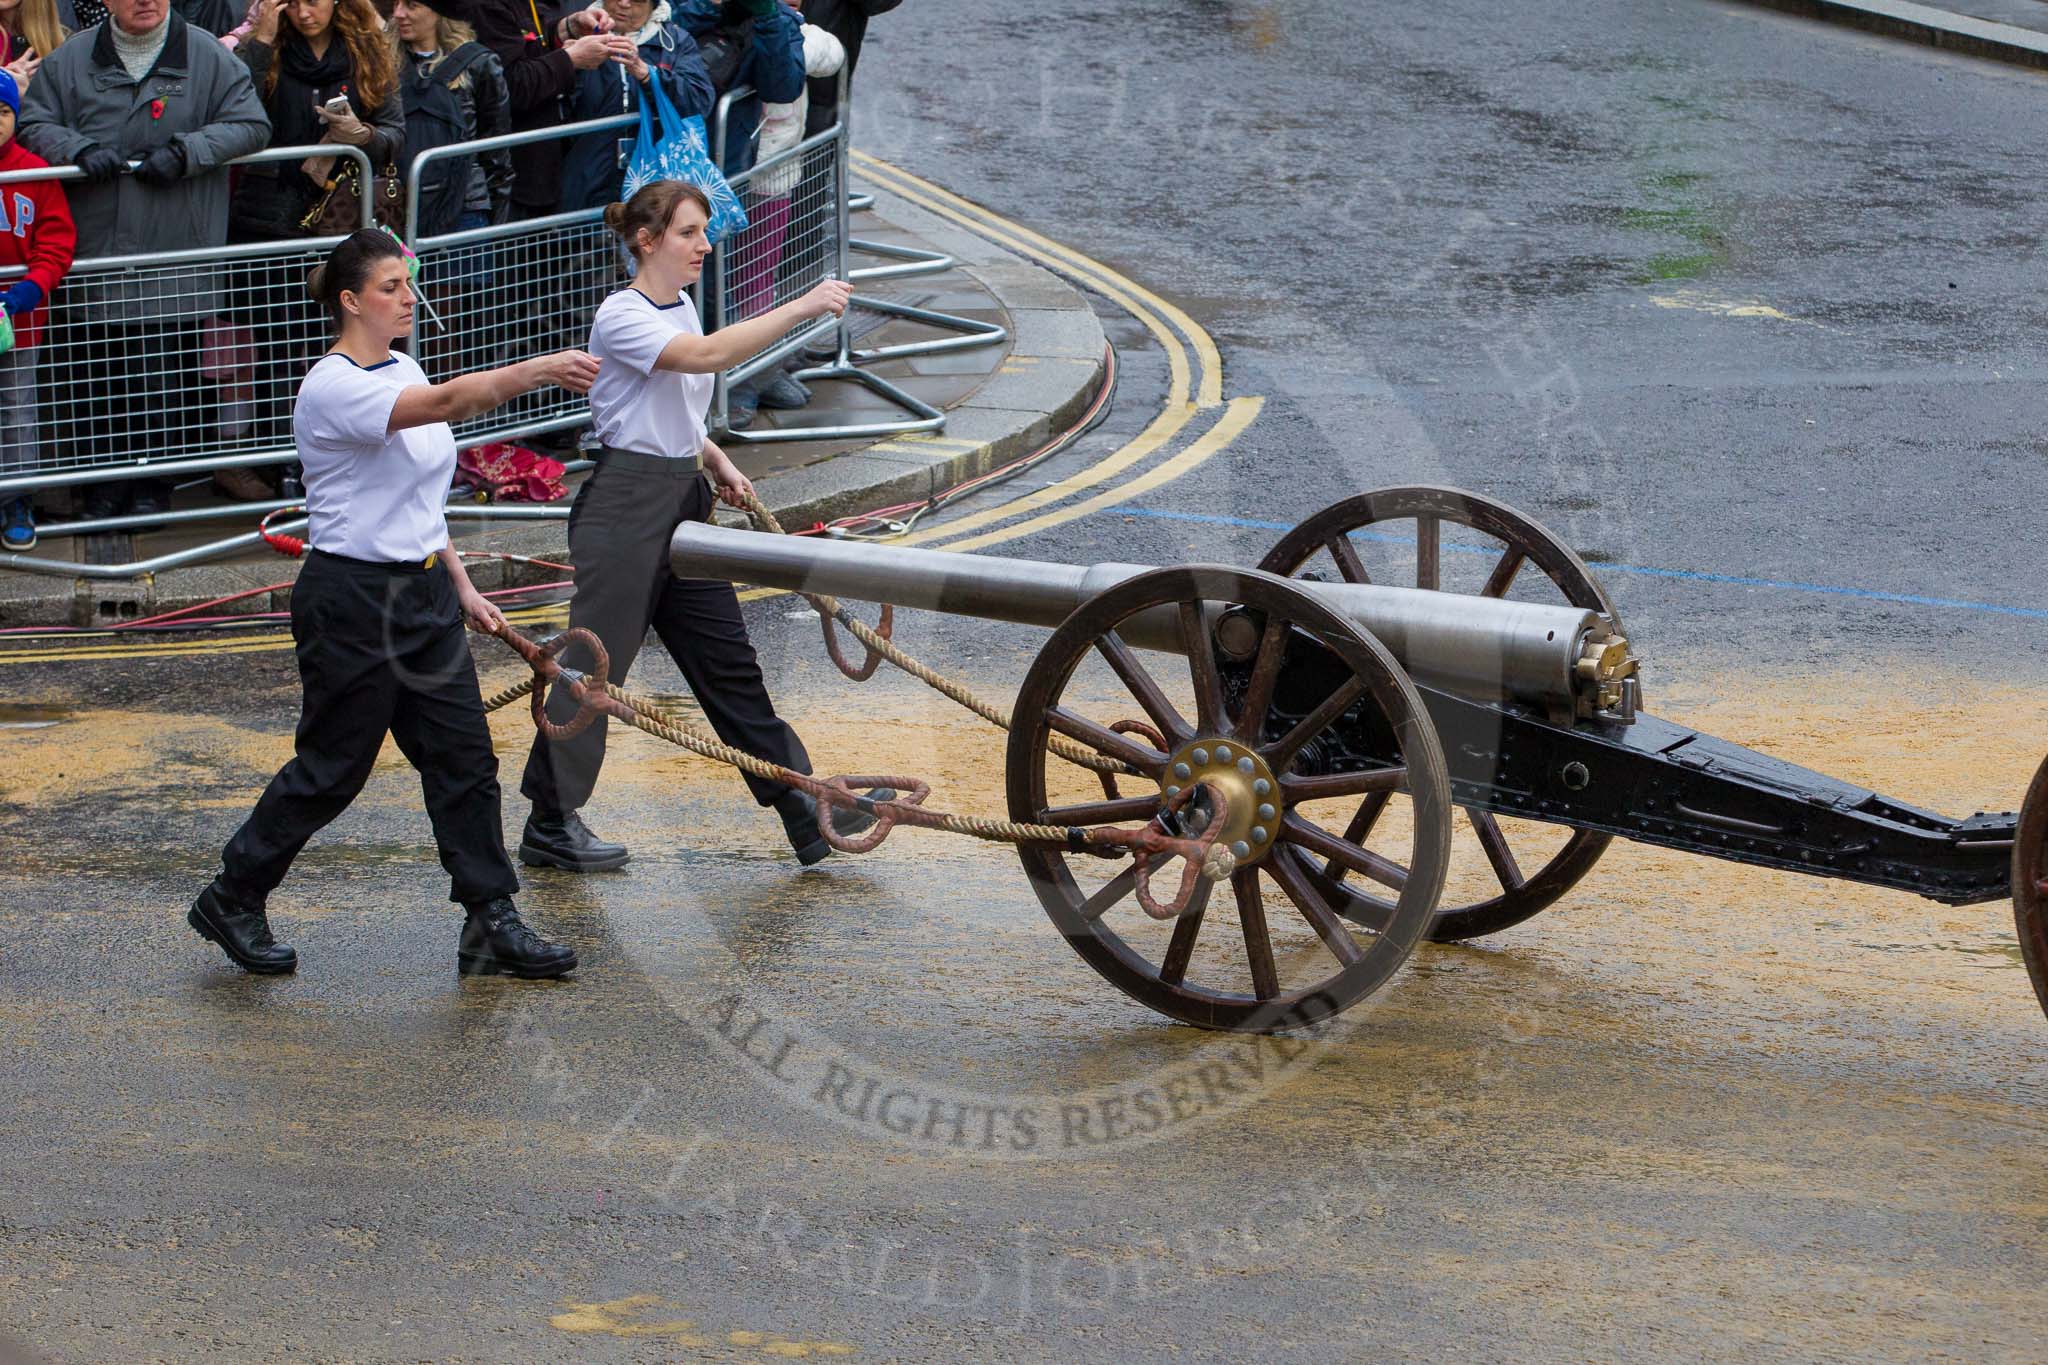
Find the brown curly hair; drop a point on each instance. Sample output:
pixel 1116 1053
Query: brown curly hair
pixel 373 67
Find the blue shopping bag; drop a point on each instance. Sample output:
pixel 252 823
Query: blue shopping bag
pixel 675 149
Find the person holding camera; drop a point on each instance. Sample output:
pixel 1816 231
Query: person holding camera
pixel 544 50
pixel 654 49
pixel 326 73
pixel 377 618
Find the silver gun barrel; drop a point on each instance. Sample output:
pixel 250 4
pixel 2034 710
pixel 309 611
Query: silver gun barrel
pixel 1478 646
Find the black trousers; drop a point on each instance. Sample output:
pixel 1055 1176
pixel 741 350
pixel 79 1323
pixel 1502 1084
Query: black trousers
pixel 381 650
pixel 618 537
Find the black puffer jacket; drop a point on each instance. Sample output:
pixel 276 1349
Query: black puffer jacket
pixel 485 107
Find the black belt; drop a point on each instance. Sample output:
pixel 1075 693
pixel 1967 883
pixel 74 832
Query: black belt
pixel 407 566
pixel 674 466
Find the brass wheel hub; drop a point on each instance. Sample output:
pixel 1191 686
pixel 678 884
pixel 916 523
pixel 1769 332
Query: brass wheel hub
pixel 1249 789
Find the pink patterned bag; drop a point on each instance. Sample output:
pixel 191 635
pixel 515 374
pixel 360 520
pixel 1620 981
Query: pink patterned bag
pixel 500 472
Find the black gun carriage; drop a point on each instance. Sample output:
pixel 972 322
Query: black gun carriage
pixel 1304 682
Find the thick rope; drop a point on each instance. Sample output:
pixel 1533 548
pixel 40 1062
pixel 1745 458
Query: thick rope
pixel 498 701
pixel 651 716
pixel 1206 860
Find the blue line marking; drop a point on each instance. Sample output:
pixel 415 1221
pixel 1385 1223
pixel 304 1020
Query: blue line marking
pixel 1639 570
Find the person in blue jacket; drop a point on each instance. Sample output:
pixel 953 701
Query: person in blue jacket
pixel 594 171
pixel 755 43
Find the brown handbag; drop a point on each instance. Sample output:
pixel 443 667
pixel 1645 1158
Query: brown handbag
pixel 338 210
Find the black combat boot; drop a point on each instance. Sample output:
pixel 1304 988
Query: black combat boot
pixel 495 940
pixel 242 933
pixel 799 814
pixel 560 839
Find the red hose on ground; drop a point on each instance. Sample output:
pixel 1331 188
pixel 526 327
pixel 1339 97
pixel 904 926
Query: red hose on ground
pixel 202 606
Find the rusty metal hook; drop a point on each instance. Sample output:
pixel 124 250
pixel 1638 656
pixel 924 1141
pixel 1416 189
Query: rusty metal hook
pixel 543 659
pixel 1198 868
pixel 866 669
pixel 910 793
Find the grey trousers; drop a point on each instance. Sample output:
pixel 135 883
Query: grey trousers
pixel 618 537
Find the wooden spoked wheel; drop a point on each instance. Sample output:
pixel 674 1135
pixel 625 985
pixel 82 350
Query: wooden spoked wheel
pixel 2030 883
pixel 1324 543
pixel 1274 975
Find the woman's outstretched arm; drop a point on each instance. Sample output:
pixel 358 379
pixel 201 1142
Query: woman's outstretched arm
pixel 467 395
pixel 728 346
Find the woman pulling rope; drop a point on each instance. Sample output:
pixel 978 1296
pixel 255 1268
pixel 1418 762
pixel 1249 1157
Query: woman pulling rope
pixel 648 406
pixel 377 618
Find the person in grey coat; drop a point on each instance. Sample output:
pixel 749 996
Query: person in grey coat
pixel 144 85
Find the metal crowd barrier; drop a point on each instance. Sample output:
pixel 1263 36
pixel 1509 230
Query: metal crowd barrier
pixel 512 290
pixel 799 202
pixel 173 352
pixel 193 356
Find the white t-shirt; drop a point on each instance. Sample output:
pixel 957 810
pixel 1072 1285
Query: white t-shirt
pixel 369 494
pixel 634 406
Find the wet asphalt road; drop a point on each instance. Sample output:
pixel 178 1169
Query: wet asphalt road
pixel 1697 1110
pixel 1499 247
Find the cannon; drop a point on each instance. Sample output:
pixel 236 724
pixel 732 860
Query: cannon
pixel 1304 687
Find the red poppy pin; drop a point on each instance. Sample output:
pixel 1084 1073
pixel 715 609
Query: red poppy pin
pixel 156 108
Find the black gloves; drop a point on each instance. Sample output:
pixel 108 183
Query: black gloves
pixel 761 9
pixel 162 166
pixel 101 163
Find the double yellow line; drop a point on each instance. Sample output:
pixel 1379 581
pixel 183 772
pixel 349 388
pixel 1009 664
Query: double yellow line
pixel 1194 371
pixel 135 646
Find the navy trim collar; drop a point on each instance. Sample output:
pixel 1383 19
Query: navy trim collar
pixel 339 355
pixel 664 307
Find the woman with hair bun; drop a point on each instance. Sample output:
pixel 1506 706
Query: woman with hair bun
pixel 377 617
pixel 648 407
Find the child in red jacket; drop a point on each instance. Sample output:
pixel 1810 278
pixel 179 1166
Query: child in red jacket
pixel 35 231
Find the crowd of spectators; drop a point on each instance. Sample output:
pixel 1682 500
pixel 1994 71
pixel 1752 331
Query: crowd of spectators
pixel 151 99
